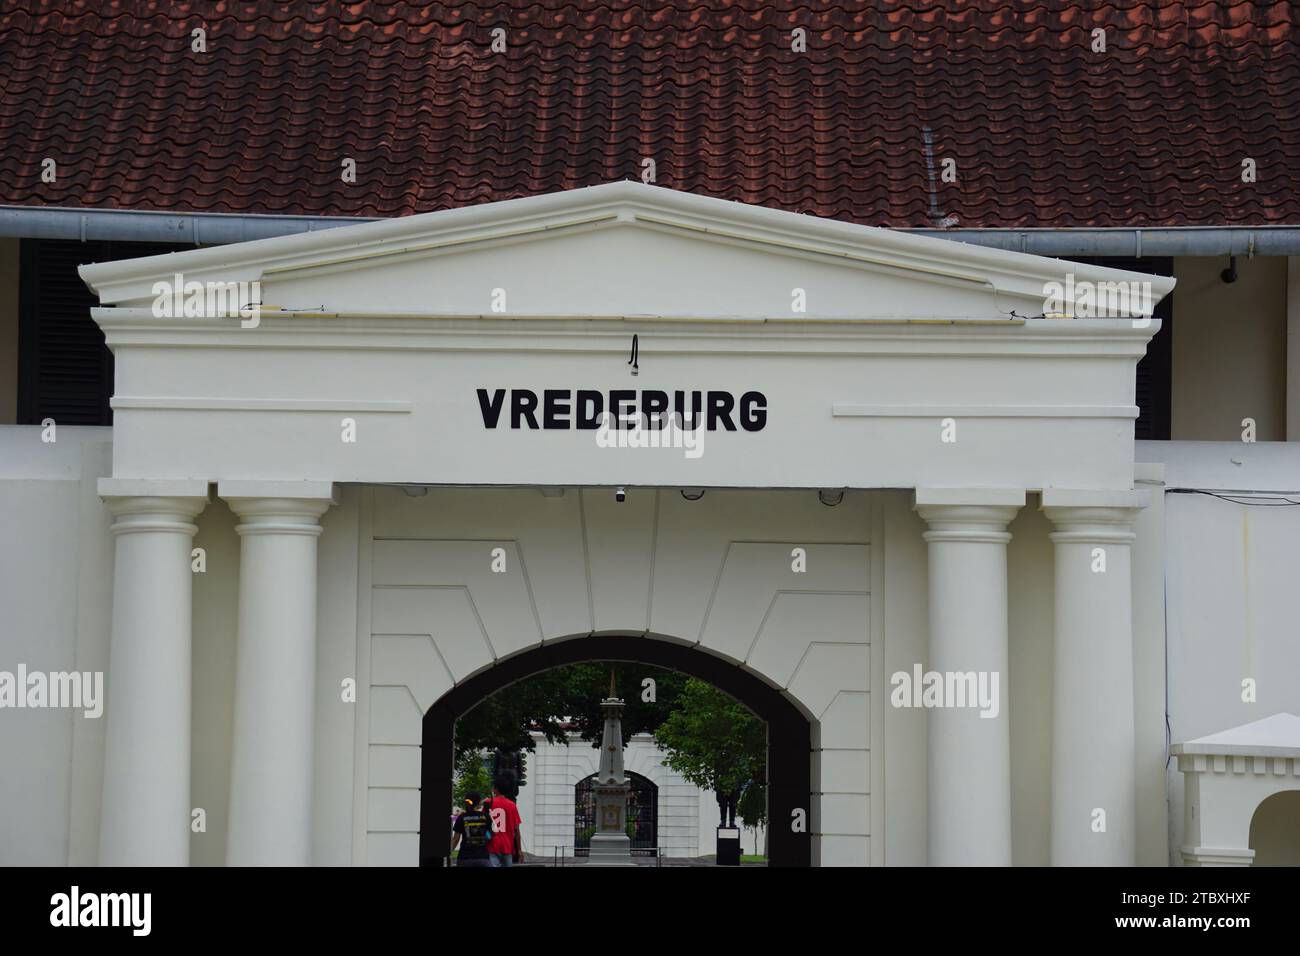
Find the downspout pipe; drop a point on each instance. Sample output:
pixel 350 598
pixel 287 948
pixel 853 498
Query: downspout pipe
pixel 212 229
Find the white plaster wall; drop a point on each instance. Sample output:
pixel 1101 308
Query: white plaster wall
pixel 716 572
pixel 1027 689
pixel 546 803
pixel 906 626
pixel 216 601
pixel 55 591
pixel 1229 349
pixel 1233 605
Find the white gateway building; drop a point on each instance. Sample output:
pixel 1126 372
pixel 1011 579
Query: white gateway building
pixel 911 530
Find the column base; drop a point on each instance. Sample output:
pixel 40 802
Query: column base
pixel 1216 856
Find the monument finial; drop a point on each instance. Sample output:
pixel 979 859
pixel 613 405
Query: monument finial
pixel 611 683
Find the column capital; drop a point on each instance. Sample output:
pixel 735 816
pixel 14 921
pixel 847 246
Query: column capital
pixel 1092 516
pixel 969 514
pixel 278 507
pixel 142 504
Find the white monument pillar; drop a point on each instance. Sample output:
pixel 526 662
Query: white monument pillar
pixel 145 807
pixel 275 672
pixel 1094 784
pixel 610 844
pixel 969 755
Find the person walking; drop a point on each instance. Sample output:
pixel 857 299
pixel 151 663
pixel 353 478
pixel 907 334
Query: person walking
pixel 506 845
pixel 472 831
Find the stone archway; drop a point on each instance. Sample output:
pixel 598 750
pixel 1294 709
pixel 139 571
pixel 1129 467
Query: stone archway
pixel 789 761
pixel 1275 830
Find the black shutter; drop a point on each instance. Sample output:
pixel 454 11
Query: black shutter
pixel 1155 375
pixel 65 371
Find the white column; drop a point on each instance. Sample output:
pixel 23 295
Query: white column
pixel 1094 784
pixel 969 747
pixel 145 805
pixel 275 672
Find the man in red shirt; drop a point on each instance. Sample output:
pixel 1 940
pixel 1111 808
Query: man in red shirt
pixel 505 823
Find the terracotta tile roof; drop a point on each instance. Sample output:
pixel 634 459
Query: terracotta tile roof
pixel 1044 131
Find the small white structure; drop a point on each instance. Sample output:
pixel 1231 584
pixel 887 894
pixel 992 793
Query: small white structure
pixel 687 815
pixel 1228 777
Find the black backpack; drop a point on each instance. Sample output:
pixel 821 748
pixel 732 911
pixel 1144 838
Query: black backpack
pixel 476 828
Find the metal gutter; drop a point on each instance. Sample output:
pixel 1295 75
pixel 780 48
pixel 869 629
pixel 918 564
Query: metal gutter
pixel 130 225
pixel 1179 241
pixel 212 229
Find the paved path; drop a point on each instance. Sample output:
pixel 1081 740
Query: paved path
pixel 668 861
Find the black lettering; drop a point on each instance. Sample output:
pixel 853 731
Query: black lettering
pixel 617 399
pixel 594 400
pixel 720 404
pixel 753 411
pixel 555 405
pixel 653 405
pixel 491 410
pixel 679 407
pixel 523 404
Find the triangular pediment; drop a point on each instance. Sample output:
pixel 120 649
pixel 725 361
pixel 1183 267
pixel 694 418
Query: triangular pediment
pixel 619 250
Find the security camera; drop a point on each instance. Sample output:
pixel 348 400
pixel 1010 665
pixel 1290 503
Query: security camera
pixel 620 493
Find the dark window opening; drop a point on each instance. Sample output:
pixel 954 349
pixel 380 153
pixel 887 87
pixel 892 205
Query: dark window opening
pixel 65 371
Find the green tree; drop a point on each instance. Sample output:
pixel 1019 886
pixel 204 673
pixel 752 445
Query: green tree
pixel 566 699
pixel 471 777
pixel 752 808
pixel 714 741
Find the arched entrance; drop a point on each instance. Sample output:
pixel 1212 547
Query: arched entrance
pixel 789 732
pixel 642 812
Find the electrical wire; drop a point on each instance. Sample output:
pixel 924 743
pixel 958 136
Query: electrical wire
pixel 1251 501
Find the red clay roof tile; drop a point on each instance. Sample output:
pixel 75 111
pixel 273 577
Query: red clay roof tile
pixel 1044 131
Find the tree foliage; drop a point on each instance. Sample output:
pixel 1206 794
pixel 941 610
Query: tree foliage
pixel 714 741
pixel 567 699
pixel 752 808
pixel 711 739
pixel 471 777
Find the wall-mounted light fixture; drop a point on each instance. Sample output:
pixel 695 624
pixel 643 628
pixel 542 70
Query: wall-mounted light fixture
pixel 830 498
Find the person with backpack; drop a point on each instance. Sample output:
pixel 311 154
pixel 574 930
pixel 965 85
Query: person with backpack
pixel 472 831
